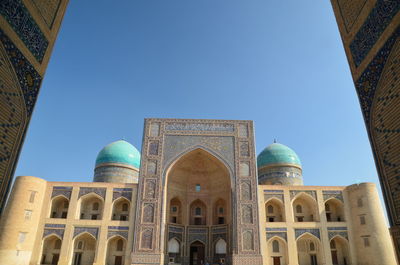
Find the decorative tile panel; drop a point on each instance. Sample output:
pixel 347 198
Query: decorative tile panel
pixel 122 192
pixel 244 149
pixel 123 234
pixel 282 235
pixel 332 234
pixel 312 193
pixel 54 226
pixel 91 230
pixel 153 148
pixel 50 231
pixel 192 126
pixel 29 79
pixel 65 191
pixel 373 27
pixel 312 231
pixel 337 194
pixel 86 190
pixel 18 17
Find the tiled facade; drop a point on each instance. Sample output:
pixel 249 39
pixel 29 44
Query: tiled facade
pixel 28 29
pixel 370 31
pixel 198 198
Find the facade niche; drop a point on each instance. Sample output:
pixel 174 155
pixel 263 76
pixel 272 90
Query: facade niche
pixel 116 251
pixel 59 207
pixel 274 211
pixel 91 207
pixel 305 209
pixel 334 211
pixel 175 213
pixel 121 209
pixel 51 250
pixel 220 212
pixel 198 213
pixel 84 249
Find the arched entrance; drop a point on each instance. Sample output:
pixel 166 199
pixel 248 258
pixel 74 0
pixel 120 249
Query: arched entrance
pixel 198 204
pixel 197 253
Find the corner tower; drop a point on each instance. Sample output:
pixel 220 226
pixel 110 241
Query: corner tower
pixel 278 164
pixel 117 162
pixel 197 194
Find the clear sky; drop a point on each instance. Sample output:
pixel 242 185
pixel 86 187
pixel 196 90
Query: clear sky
pixel 279 63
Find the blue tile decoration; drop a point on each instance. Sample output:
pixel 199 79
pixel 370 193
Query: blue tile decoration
pixel 17 15
pixel 278 196
pixel 367 84
pixel 377 21
pixel 278 229
pixel 118 227
pixel 86 190
pixel 282 235
pixel 216 237
pixel 299 232
pixel 94 231
pixel 65 191
pixel 175 232
pixel 342 228
pixel 205 127
pixel 118 193
pixel 29 79
pixel 50 231
pixel 54 225
pixel 337 194
pixel 312 193
pixel 219 229
pixel 332 234
pixel 273 191
pixel 123 234
pixel 176 229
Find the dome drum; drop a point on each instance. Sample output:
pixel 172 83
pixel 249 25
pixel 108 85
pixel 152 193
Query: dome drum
pixel 118 162
pixel 280 176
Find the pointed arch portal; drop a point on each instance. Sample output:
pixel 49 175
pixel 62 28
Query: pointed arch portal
pixel 198 197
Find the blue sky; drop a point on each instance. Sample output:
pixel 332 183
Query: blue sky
pixel 279 63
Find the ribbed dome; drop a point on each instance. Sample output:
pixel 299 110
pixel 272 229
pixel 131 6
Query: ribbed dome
pixel 277 154
pixel 120 152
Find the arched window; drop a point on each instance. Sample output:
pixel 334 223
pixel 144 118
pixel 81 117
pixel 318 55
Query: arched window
pixel 312 246
pixel 197 211
pixel 299 209
pixel 220 247
pixel 221 210
pixel 173 246
pixel 95 206
pixel 125 207
pixel 120 245
pixel 270 209
pixel 275 246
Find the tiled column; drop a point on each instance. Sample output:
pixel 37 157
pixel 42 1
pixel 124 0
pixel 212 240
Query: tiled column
pixel 291 238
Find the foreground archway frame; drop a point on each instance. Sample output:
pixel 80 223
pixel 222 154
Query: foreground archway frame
pixel 232 143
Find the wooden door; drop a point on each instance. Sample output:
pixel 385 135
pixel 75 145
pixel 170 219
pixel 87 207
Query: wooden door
pixel 277 260
pixel 334 257
pixel 118 260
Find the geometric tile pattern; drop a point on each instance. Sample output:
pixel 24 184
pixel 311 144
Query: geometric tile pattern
pixel 65 191
pixel 16 14
pixel 312 231
pixel 337 194
pixel 377 21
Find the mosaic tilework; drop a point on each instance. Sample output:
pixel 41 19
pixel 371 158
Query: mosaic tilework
pixel 282 235
pixel 222 145
pixel 48 10
pixel 50 231
pixel 377 21
pixel 118 230
pixel 29 79
pixel 349 11
pixel 312 193
pixel 94 231
pixel 65 191
pixel 86 190
pixel 122 192
pixel 385 125
pixel 25 26
pixel 299 232
pixel 327 194
pixel 16 107
pixel 191 126
pixel 337 231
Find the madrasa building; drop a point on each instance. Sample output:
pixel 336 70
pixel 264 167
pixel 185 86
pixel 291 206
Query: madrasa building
pixel 195 195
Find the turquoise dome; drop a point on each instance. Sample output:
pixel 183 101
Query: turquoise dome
pixel 120 152
pixel 277 154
